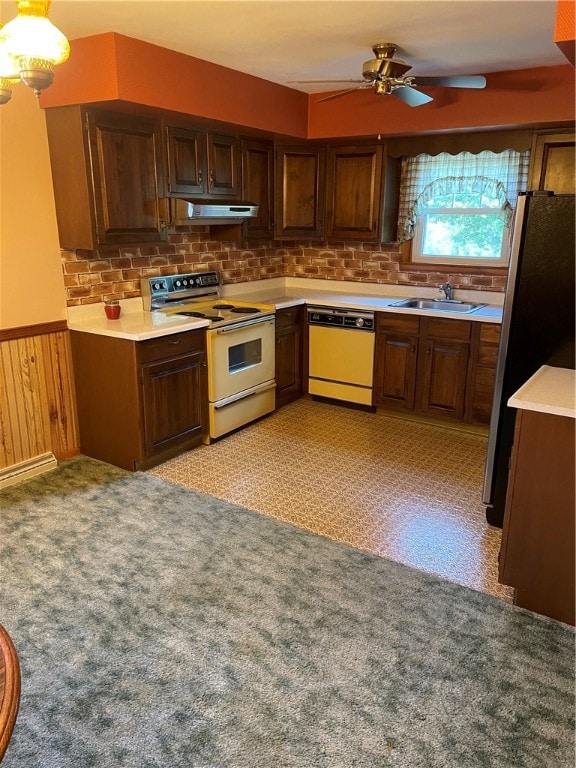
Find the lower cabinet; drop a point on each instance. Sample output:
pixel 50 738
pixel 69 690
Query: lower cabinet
pixel 537 551
pixel 396 356
pixel 443 367
pixel 288 354
pixel 422 364
pixel 436 367
pixel 484 373
pixel 139 403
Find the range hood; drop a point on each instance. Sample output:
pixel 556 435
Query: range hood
pixel 193 212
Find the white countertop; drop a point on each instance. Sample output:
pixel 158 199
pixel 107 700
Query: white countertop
pixel 135 325
pixel 549 390
pixel 290 297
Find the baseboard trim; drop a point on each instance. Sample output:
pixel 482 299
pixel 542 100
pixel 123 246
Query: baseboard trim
pixel 25 470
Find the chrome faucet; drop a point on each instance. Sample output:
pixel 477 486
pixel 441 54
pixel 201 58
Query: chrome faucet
pixel 447 289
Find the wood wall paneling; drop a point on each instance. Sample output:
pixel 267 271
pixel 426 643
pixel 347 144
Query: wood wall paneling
pixel 37 406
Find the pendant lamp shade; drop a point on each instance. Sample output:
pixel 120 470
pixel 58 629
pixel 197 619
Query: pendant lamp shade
pixel 9 73
pixel 35 43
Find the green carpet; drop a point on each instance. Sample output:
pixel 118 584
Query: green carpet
pixel 160 628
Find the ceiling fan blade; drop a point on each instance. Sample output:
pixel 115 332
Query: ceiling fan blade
pixel 411 96
pixel 326 81
pixel 456 81
pixel 340 93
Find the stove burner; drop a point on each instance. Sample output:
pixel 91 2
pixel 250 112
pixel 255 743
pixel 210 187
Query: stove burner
pixel 214 318
pixel 245 310
pixel 223 306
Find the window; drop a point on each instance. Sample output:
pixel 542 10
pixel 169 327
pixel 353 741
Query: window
pixel 457 208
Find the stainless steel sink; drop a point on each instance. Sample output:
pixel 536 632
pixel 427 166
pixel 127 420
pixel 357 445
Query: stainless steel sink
pixel 438 305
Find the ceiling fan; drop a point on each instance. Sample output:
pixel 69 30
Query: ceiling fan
pixel 387 75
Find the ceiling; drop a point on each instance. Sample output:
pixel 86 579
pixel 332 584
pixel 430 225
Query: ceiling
pixel 287 40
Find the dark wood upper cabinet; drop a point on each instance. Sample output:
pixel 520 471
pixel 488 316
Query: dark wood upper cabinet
pixel 186 161
pixel 126 155
pixel 299 197
pixel 201 164
pixel 223 156
pixel 258 185
pixel 553 163
pixel 354 192
pixel 108 177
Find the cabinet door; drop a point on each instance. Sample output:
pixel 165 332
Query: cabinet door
pixel 553 163
pixel 484 372
pixel 353 193
pixel 223 156
pixel 173 401
pixel 258 185
pixel 299 172
pixel 395 370
pixel 186 161
pixel 288 355
pixel 443 377
pixel 537 551
pixel 128 173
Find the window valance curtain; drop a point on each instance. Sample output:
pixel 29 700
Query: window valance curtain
pixel 497 176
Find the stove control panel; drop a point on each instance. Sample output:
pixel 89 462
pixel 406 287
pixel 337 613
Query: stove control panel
pixel 159 291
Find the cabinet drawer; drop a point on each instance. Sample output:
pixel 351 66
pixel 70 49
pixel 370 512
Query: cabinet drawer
pixel 448 329
pixel 285 318
pixel 169 346
pixel 391 322
pixel 490 333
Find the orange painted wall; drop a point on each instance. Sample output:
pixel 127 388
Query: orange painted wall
pixel 565 28
pixel 111 66
pixel 522 97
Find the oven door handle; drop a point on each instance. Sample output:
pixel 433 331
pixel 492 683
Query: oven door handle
pixel 244 395
pixel 244 324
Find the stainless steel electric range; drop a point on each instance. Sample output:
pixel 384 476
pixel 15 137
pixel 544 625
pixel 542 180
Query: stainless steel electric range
pixel 240 342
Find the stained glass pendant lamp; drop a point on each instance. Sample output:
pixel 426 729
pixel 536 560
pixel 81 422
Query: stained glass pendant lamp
pixel 34 43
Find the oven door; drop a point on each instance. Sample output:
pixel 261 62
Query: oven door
pixel 240 357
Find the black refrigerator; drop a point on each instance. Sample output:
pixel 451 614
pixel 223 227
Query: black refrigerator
pixel 537 322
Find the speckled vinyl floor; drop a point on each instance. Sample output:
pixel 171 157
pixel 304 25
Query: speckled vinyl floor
pixel 400 488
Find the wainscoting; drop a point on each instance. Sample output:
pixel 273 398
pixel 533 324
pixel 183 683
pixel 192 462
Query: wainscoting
pixel 37 404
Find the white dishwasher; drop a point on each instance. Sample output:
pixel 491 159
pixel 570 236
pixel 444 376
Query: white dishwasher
pixel 341 354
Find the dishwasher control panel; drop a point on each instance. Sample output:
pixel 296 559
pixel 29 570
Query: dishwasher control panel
pixel 355 319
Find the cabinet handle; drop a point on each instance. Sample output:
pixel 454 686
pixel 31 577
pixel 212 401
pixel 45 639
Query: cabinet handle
pixel 200 178
pixel 175 342
pixel 413 348
pixel 428 350
pixel 211 179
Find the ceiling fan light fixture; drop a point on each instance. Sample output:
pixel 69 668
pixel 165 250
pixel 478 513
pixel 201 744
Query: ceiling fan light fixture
pixel 371 69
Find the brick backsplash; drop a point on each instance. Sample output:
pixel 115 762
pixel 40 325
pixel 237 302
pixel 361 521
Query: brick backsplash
pixel 114 273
